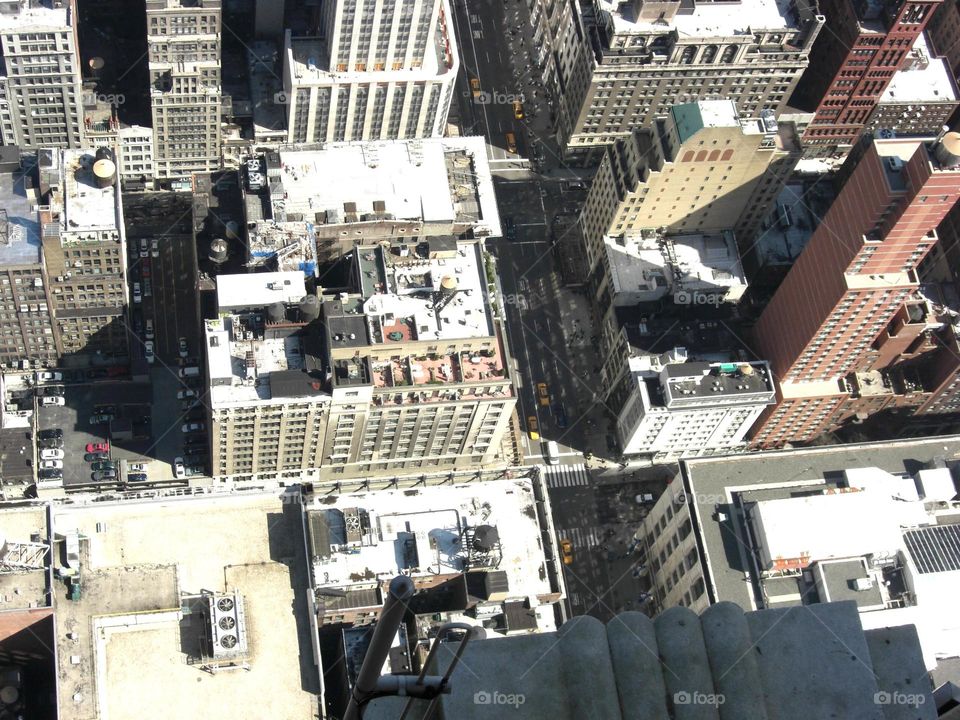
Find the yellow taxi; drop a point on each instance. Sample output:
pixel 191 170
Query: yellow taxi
pixel 533 428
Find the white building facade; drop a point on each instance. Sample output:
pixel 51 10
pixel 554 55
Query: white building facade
pixel 385 71
pixel 40 89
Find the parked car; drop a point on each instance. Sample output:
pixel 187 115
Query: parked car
pixel 51 464
pixel 95 456
pixel 155 247
pixel 95 373
pixel 49 376
pixel 543 393
pixel 533 427
pixel 148 334
pixel 137 296
pixel 192 427
pixel 178 469
pixel 51 434
pixel 103 447
pixel 51 442
pixel 148 351
pixel 192 371
pixel 105 409
pixel 186 394
pixel 184 350
pixel 137 477
pixel 100 419
pixel 138 467
pixel 147 287
pixel 50 474
pixel 137 322
pixel 560 415
pixel 52 400
pixel 104 465
pixel 144 248
pixel 104 475
pixel 51 454
pixel 145 267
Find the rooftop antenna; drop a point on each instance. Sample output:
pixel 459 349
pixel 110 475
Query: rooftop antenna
pixel 371 684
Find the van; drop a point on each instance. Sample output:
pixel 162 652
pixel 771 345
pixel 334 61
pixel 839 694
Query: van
pixel 553 453
pixel 189 372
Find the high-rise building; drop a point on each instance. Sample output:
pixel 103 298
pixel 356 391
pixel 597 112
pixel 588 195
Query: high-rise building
pixel 944 31
pixel 27 330
pixel 62 252
pixel 40 88
pixel 651 56
pixel 300 215
pixel 856 273
pixel 406 371
pixel 853 64
pixel 84 253
pixel 183 52
pixel 872 523
pixel 700 169
pixel 563 54
pixel 920 98
pixel 674 408
pixel 380 70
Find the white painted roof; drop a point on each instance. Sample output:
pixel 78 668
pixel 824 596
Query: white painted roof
pixel 249 290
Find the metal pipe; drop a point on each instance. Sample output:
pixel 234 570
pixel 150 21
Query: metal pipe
pixel 364 689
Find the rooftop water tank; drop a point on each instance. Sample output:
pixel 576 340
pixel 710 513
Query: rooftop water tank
pixel 276 312
pixel 104 173
pixel 309 308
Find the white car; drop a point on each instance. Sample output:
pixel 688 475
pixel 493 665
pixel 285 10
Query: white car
pixel 148 351
pixel 52 400
pixel 178 469
pixel 49 377
pixel 51 464
pixel 155 248
pixel 51 454
pixel 192 427
pixel 184 394
pixel 138 467
pixel 148 333
pixel 144 248
pixel 184 349
pixel 137 297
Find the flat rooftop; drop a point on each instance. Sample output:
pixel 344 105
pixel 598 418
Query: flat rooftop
pixel 709 19
pixel 248 362
pixel 704 262
pixel 420 531
pixel 258 290
pixel 138 561
pixel 793 218
pixel 424 297
pixel 808 517
pixel 36 17
pixel 86 206
pixel 698 380
pixel 408 179
pixel 928 80
pixel 23 229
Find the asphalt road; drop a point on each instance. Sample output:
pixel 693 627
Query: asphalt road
pixel 501 63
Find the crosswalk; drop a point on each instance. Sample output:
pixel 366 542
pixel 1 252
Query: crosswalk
pixel 561 476
pixel 581 537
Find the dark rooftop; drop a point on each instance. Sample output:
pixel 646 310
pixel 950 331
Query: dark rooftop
pixel 294 383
